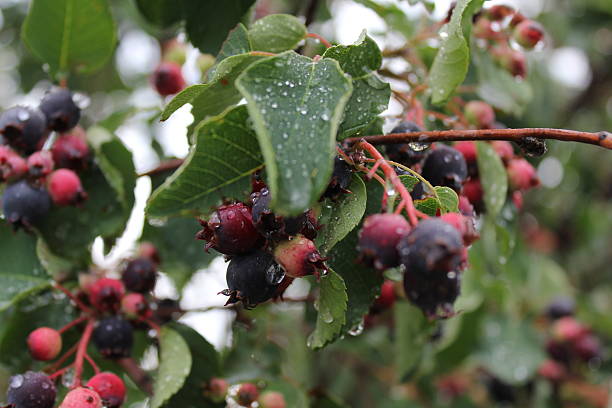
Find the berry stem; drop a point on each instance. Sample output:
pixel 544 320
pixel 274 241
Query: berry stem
pixel 92 363
pixel 70 295
pixel 602 139
pixel 73 323
pixel 137 374
pixel 60 372
pixel 81 352
pixel 323 41
pixel 62 359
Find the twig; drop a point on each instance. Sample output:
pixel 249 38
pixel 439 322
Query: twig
pixel 73 323
pixel 323 41
pixel 92 363
pixel 163 166
pixel 62 359
pixel 71 296
pixel 137 374
pixel 81 352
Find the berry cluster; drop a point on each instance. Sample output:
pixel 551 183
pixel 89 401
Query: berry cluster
pixel 243 395
pixel 38 177
pixel 111 309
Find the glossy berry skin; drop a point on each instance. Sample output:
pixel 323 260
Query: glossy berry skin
pixel 561 307
pixel 468 149
pixel 105 294
pixel 272 399
pixel 340 180
pixel 113 336
pixel 386 299
pixel 71 151
pixel 12 166
pixel 479 114
pixel 472 190
pixel 464 225
pixel 40 164
pixel 247 394
pixel 23 128
pixel 521 174
pixel 433 246
pixel 230 230
pixel 167 79
pixel 511 60
pixel 31 390
pixel 82 398
pixel 140 275
pixel 299 257
pixel 445 166
pixel 253 278
pixel 216 389
pixel 24 205
pixel 403 153
pixel 109 387
pixel 276 227
pixel 65 188
pixel 528 33
pixel 44 343
pixel 378 240
pixel 61 111
pixel 135 305
pixel 434 294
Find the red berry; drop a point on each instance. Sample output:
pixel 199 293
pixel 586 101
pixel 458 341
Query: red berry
pixel 134 305
pixel 511 60
pixel 465 207
pixel 44 343
pixel 468 149
pixel 70 150
pixel 386 299
pixel 569 330
pixel 149 250
pixel 378 240
pixel 12 166
pixel 40 164
pixel 247 394
pixel 216 389
pixel 82 398
pixel 230 230
pixel 500 12
pixel 521 174
pixel 552 371
pixel 483 28
pixel 517 200
pixel 465 226
pixel 587 347
pixel 528 33
pixel 168 79
pixel 472 190
pixel 504 149
pixel 106 293
pixel 109 387
pixel 140 275
pixel 272 399
pixel 65 187
pixel 517 19
pixel 299 257
pixel 31 390
pixel 480 114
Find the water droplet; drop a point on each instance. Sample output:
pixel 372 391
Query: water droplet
pixel 81 100
pixel 419 146
pixel 23 115
pixel 357 330
pixel 275 274
pixel 16 381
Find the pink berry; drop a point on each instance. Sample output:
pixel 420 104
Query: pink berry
pixel 134 305
pixel 149 250
pixel 511 60
pixel 467 149
pixel 500 12
pixel 40 164
pixel 109 387
pixel 521 174
pixel 472 189
pixel 465 226
pixel 247 394
pixel 44 343
pixel 504 149
pixel 528 33
pixel 70 150
pixel 480 114
pixel 569 330
pixel 378 240
pixel 386 299
pixel 82 398
pixel 65 188
pixel 168 79
pixel 12 165
pixel 465 207
pixel 272 399
pixel 299 257
pixel 552 371
pixel 106 293
pixel 216 389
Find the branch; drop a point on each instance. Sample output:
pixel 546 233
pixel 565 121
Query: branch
pixel 163 166
pixel 601 139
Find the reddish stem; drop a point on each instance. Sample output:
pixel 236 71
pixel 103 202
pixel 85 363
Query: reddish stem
pixel 73 323
pixel 137 374
pixel 70 295
pixel 151 324
pixel 323 41
pixel 62 359
pixel 59 372
pixel 92 363
pixel 81 352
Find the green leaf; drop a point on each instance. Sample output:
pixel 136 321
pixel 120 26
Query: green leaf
pixel 409 181
pixel 174 366
pixel 162 13
pixel 331 305
pixel 447 199
pixel 428 206
pixel 493 178
pixel 215 96
pixel 341 217
pixel 393 15
pixel 207 24
pixel 237 42
pixel 277 33
pixel 21 273
pixel 296 105
pixel 370 95
pixel 410 338
pixel 70 34
pixel 219 165
pixel 453 59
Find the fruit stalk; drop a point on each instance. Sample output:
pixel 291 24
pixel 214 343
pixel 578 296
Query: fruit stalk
pixel 81 352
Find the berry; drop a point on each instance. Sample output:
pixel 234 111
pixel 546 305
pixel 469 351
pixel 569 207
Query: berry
pixel 378 240
pixel 472 190
pixel 44 343
pixel 71 151
pixel 445 166
pixel 149 250
pixel 568 329
pixel 113 337
pixel 166 310
pixel 247 394
pixel 24 129
pixel 434 294
pixel 140 275
pixel 465 226
pixel 168 79
pixel 521 174
pixel 299 257
pixel 433 246
pixel 558 351
pixel 340 180
pixel 216 389
pixel 61 111
pixel 105 294
pixel 276 227
pixel 253 278
pixel 479 114
pixel 12 166
pixel 561 307
pixel 40 164
pixel 552 371
pixel 404 153
pixel 465 207
pixel 134 305
pixel 504 149
pixel 109 387
pixel 82 398
pixel 483 28
pixel 499 12
pixel 24 204
pixel 272 399
pixel 468 149
pixel 517 19
pixel 65 188
pixel 528 33
pixel 230 230
pixel 31 390
pixel 587 347
pixel 511 60
pixel 386 299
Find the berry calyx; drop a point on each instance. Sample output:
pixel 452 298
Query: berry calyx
pixel 378 240
pixel 445 166
pixel 404 153
pixel 276 227
pixel 167 79
pixel 65 188
pixel 433 294
pixel 105 294
pixel 140 275
pixel 479 114
pixel 299 257
pixel 23 128
pixel 528 33
pixel 40 164
pixel 12 166
pixel 82 397
pixel 25 205
pixel 521 174
pixel 61 111
pixel 340 180
pixel 109 387
pixel 70 150
pixel 44 343
pixel 134 305
pixel 247 394
pixel 113 337
pixel 272 399
pixel 230 230
pixel 31 390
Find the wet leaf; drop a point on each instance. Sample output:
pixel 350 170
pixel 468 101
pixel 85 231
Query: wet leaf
pixel 331 306
pixel 493 178
pixel 174 366
pixel 277 33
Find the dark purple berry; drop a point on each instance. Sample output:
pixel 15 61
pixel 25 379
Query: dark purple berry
pixel 25 205
pixel 588 347
pixel 140 275
pixel 404 153
pixel 23 128
pixel 561 307
pixel 31 390
pixel 434 294
pixel 61 111
pixel 340 180
pixel 445 166
pixel 230 230
pixel 378 240
pixel 253 278
pixel 113 337
pixel 276 227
